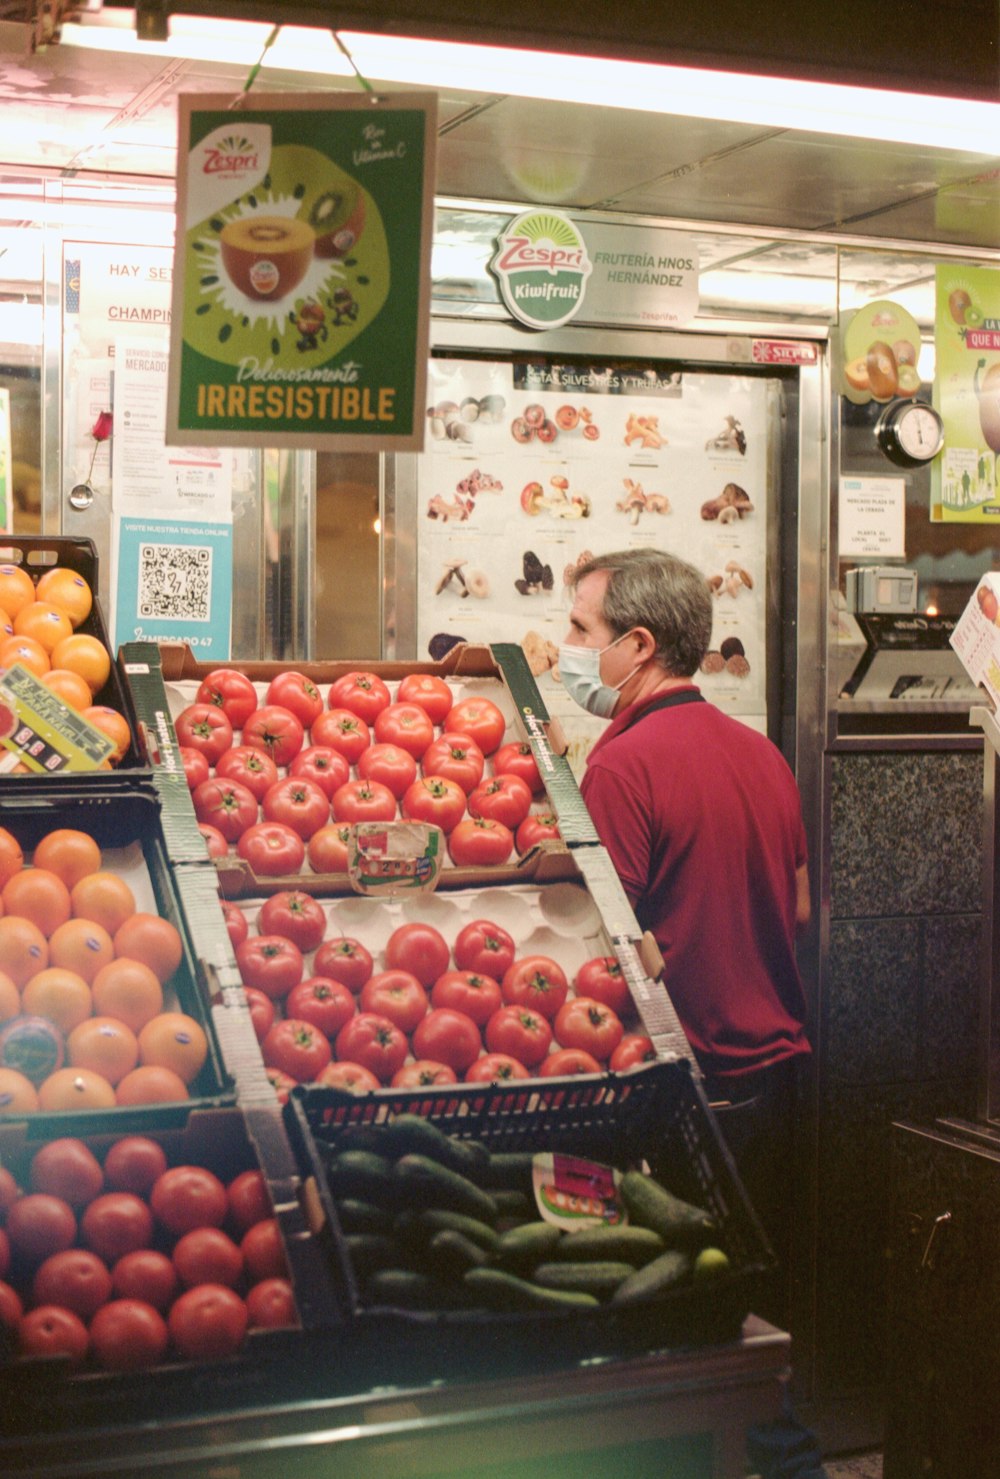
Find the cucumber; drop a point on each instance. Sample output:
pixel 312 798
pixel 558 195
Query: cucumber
pixel 369 1251
pixel 450 1253
pixel 357 1137
pixel 514 1203
pixel 657 1278
pixel 522 1247
pixel 507 1170
pixel 357 1216
pixel 405 1289
pixel 635 1245
pixel 411 1134
pixel 651 1205
pixel 418 1227
pixel 598 1278
pixel 362 1175
pixel 498 1290
pixel 422 1182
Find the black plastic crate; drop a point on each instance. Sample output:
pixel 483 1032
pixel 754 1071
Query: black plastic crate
pixel 657 1115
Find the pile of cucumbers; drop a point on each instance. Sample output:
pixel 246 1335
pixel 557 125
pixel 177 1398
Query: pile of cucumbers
pixel 433 1222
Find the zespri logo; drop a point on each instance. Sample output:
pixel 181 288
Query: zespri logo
pixel 233 155
pixel 542 267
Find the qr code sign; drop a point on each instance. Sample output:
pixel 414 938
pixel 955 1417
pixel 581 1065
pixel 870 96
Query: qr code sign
pixel 175 581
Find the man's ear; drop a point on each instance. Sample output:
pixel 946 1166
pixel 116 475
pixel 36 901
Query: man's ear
pixel 645 643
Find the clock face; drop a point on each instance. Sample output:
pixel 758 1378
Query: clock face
pixel 918 430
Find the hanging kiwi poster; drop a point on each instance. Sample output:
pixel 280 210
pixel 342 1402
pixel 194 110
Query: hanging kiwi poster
pixel 301 282
pixel 965 479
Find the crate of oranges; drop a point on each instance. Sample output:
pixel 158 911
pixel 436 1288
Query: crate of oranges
pixel 51 624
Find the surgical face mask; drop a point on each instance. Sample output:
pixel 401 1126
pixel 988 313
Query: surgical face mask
pixel 580 671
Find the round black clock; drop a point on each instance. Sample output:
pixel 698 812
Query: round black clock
pixel 910 433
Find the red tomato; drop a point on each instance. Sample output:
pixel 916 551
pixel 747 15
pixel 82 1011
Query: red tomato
pixel 11 1307
pixel 276 731
pixel 251 767
pixel 297 693
pixel 215 844
pixel 226 805
pixel 145 1274
pixel 298 802
pixel 449 1037
pixel 495 1068
pixel 9 1192
pixel 568 1063
pixel 128 1335
pixel 133 1164
pixel 196 766
pixel 327 848
pixel 518 758
pixel 397 995
pixel 430 692
pixel 458 758
pixel 263 1251
pixel 436 800
pixel 271 1305
pixel 467 991
pixel 236 922
pixel 343 731
pixel 50 1330
pixel 479 718
pixel 281 1083
pixel 633 1051
pixel 76 1279
pixel 344 959
pixel 361 693
pixel 297 1048
pixel 272 849
pixel 422 1073
pixel 374 1042
pixel 4 1254
pixel 297 916
pixel 537 982
pixel 350 1077
pixel 324 1002
pixel 230 691
pixel 322 764
pixel 390 765
pixel 363 801
pixel 207 1255
pixel 185 1197
pixel 480 842
pixel 67 1168
pixel 249 1199
pixel 505 798
pixel 602 979
pixel 535 829
pixel 588 1024
pixel 262 1011
pixel 207 1322
pixel 204 727
pixel 420 949
pixel 406 725
pixel 484 947
pixel 39 1224
pixel 272 963
pixel 521 1033
pixel 117 1222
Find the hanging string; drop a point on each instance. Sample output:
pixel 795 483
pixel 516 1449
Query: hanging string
pixel 255 69
pixel 362 80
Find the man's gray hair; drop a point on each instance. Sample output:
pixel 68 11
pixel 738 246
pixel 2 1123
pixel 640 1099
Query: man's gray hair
pixel 650 588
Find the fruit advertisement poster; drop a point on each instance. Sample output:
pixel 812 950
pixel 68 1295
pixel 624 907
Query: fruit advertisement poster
pixel 965 479
pixel 531 468
pixel 6 476
pixel 302 272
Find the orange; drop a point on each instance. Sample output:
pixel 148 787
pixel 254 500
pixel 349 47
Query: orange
pixel 38 895
pixel 70 687
pixel 68 853
pixel 129 990
pixel 47 624
pixel 82 946
pixel 11 855
pixel 17 1093
pixel 29 653
pixel 150 1084
pixel 75 1088
pixel 154 941
pixel 67 590
pixel 105 1046
pixel 85 655
pixel 114 725
pixel 24 950
pixel 10 998
pixel 174 1040
pixel 103 897
pixel 16 589
pixel 58 994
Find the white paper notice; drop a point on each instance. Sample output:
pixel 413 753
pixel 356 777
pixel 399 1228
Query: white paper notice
pixel 872 516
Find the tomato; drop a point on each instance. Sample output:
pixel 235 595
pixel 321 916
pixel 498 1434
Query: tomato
pixel 406 725
pixel 117 1222
pixel 272 963
pixel 271 1305
pixel 505 798
pixel 297 916
pixel 185 1197
pixel 9 1192
pixel 262 1011
pixel 276 731
pixel 484 947
pixel 344 959
pixel 361 693
pixel 479 718
pixel 363 801
pixel 422 1073
pixel 430 692
pixel 322 764
pixel 230 691
pixel 343 731
pixel 588 1024
pixel 458 758
pixel 327 849
pixel 76 1279
pixel 297 693
pixel 436 800
pixel 397 995
pixel 350 1077
pixel 204 727
pixel 196 766
pixel 207 1255
pixel 374 1042
pixel 128 1335
pixel 215 844
pixel 11 1308
pixel 538 982
pixel 633 1051
pixel 296 1048
pixel 281 1083
pixel 272 849
pixel 520 1032
pixel 51 1330
pixel 251 767
pixel 264 1251
pixel 39 1224
pixel 69 1169
pixel 133 1163
pixel 466 991
pixel 420 949
pixel 145 1274
pixel 207 1322
pixel 495 1068
pixel 602 978
pixel 568 1063
pixel 236 922
pixel 226 805
pixel 249 1199
pixel 518 758
pixel 298 802
pixel 480 842
pixel 536 828
pixel 390 765
pixel 448 1037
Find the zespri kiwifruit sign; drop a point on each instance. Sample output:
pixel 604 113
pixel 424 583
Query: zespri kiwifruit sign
pixel 301 283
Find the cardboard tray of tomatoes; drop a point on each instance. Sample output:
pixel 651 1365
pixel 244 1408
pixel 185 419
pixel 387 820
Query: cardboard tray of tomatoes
pixel 655 1116
pixel 38 553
